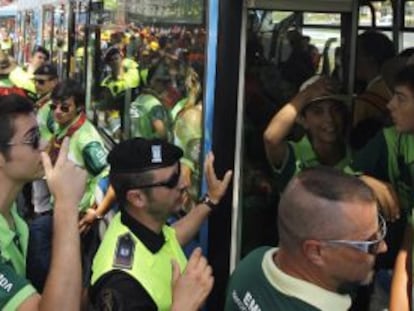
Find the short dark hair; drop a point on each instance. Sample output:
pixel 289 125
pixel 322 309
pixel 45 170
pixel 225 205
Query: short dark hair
pixel 10 107
pixel 332 184
pixel 122 182
pixel 41 49
pixel 376 45
pixel 405 77
pixel 302 216
pixel 68 88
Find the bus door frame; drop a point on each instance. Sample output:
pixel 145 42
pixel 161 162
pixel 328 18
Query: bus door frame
pixel 328 6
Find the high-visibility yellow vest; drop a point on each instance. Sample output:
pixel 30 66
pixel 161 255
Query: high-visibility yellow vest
pixel 152 271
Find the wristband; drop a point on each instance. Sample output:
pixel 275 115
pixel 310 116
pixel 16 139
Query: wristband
pixel 97 216
pixel 207 201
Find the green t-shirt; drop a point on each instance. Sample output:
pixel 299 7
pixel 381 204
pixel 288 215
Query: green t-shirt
pixel 13 243
pixel 249 289
pixel 45 121
pixel 144 111
pixel 258 284
pixel 14 288
pixel 87 150
pixel 300 156
pixel 389 156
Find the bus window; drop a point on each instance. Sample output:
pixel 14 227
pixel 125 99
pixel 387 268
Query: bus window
pixel 321 19
pixel 151 67
pixel 409 14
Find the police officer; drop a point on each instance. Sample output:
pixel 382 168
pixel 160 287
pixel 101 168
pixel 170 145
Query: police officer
pixel 132 268
pixel 86 150
pixel 21 162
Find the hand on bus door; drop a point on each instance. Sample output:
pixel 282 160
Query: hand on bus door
pixel 216 188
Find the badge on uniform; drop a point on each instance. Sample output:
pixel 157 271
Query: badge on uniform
pixel 124 253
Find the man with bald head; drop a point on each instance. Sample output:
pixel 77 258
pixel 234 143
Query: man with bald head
pixel 330 234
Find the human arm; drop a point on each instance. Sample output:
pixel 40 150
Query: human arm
pixel 371 163
pixel 276 147
pixel 187 227
pixel 63 285
pixel 92 214
pixel 401 284
pixel 191 288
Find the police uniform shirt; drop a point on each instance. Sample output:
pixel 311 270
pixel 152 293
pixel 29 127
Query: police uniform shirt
pixel 118 290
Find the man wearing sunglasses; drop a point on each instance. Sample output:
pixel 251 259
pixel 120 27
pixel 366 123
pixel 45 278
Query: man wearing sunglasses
pixel 87 151
pixel 45 79
pixel 22 160
pixel 132 268
pixel 330 234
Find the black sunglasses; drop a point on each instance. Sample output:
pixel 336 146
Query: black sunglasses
pixel 42 81
pixel 63 107
pixel 170 183
pixel 33 140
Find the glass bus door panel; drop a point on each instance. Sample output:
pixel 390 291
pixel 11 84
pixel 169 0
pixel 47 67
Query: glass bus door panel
pixel 48 28
pixel 77 60
pixel 60 39
pixel 155 54
pixel 283 49
pixel 19 37
pixel 31 32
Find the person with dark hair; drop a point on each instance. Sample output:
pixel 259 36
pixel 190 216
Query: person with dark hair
pixel 330 234
pixel 87 150
pixel 121 83
pixel 45 79
pixel 373 50
pixel 23 76
pixel 22 159
pixel 132 268
pixel 323 114
pixel 389 157
pixel 150 117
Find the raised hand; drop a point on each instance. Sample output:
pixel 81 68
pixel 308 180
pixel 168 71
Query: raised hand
pixel 216 187
pixel 191 288
pixel 66 181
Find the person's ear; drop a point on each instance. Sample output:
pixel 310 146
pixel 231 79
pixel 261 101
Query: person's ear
pixel 136 198
pixel 313 251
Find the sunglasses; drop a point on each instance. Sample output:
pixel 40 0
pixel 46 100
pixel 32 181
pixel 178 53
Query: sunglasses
pixel 42 81
pixel 369 247
pixel 33 140
pixel 64 107
pixel 170 183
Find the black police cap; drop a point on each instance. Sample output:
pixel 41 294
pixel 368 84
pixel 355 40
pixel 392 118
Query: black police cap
pixel 47 69
pixel 139 154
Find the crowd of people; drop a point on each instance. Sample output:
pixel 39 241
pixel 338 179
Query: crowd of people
pixel 346 185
